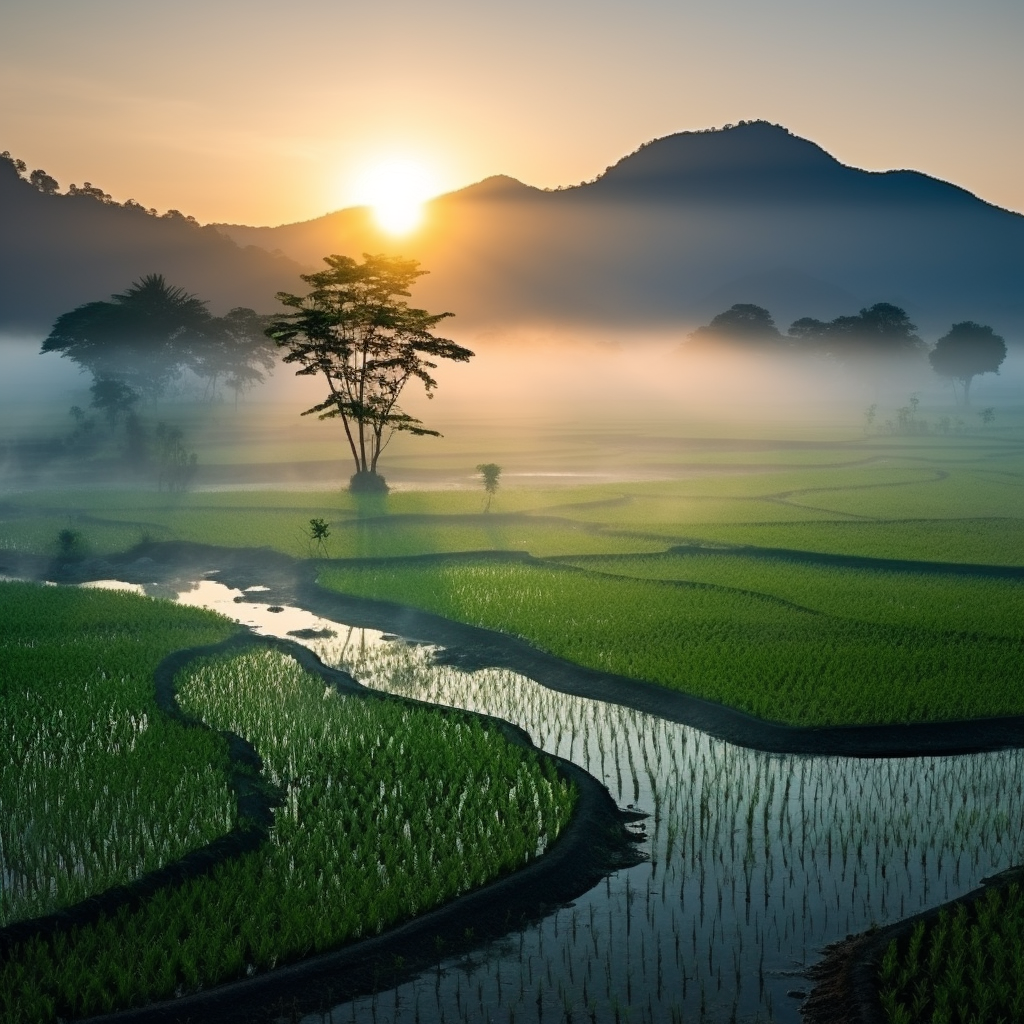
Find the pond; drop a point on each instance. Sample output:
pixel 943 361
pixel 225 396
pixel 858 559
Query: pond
pixel 755 861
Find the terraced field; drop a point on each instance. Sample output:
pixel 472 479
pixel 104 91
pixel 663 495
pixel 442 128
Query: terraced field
pixel 855 580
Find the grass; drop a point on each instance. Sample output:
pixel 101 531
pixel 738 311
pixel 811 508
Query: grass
pixel 388 809
pixel 751 651
pixel 934 601
pixel 97 785
pixel 991 541
pixel 798 643
pixel 965 967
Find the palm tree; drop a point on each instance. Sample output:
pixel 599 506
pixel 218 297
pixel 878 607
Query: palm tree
pixel 141 337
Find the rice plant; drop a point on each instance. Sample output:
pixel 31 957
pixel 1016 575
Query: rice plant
pixel 97 785
pixel 965 966
pixel 387 810
pixel 756 860
pixel 753 651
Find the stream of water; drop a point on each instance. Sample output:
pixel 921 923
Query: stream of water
pixel 755 861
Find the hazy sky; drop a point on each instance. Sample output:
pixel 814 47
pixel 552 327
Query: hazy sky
pixel 263 112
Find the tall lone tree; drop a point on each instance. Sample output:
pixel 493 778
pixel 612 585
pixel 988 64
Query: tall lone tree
pixel 357 332
pixel 966 351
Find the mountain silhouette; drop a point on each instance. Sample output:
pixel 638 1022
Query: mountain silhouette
pixel 688 225
pixel 60 251
pixel 663 239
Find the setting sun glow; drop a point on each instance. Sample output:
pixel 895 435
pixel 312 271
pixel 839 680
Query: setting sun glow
pixel 397 190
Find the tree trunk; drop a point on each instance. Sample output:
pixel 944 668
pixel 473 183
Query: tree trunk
pixel 967 390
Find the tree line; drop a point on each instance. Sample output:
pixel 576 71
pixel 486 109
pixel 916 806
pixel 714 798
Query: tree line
pixel 353 331
pixel 879 332
pixel 143 340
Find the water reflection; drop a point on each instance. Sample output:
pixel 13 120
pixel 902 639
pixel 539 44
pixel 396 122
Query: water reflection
pixel 755 860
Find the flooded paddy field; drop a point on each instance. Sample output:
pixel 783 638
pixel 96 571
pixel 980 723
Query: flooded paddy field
pixel 754 861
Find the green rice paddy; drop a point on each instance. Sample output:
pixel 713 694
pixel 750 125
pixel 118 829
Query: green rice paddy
pixel 785 639
pixel 97 785
pixel 773 659
pixel 965 967
pixel 387 810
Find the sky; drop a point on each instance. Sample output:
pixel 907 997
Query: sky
pixel 268 113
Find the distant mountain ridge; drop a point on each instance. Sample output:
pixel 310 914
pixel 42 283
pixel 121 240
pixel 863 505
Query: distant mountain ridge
pixel 665 238
pixel 60 251
pixel 758 161
pixel 691 223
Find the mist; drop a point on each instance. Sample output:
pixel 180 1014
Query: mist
pixel 550 404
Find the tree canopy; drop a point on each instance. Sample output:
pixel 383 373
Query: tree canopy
pixel 355 331
pixel 968 349
pixel 879 331
pixel 144 337
pixel 743 323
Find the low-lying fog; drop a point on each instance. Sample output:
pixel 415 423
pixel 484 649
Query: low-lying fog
pixel 548 404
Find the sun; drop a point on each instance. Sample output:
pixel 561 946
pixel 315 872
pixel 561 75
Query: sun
pixel 396 189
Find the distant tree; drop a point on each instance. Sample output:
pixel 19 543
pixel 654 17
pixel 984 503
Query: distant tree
pixel 177 464
pixel 807 333
pixel 136 441
pixel 113 398
pixel 44 182
pixel 141 337
pixel 869 416
pixel 988 417
pixel 144 338
pixel 742 322
pixel 20 167
pixel 355 330
pixel 234 350
pixel 90 190
pixel 83 440
pixel 968 349
pixel 489 473
pixel 879 331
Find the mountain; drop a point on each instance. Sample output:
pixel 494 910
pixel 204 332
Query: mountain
pixel 664 239
pixel 689 224
pixel 62 250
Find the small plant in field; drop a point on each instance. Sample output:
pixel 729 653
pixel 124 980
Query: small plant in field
pixel 319 531
pixel 489 473
pixel 987 417
pixel 70 543
pixel 869 417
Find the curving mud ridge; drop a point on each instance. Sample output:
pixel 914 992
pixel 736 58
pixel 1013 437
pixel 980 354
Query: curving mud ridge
pixel 593 844
pixel 293 582
pixel 845 986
